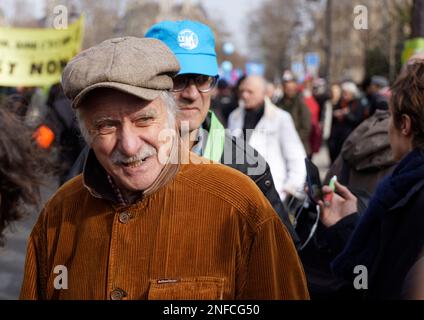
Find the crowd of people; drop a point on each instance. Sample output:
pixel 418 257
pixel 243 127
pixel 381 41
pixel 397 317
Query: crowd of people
pixel 175 185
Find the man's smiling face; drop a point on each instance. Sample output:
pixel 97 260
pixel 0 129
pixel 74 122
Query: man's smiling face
pixel 124 132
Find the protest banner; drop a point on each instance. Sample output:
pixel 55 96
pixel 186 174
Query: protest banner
pixel 37 57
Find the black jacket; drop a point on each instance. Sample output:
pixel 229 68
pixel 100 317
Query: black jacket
pixel 250 160
pixel 400 246
pixel 389 237
pixel 366 156
pixel 401 243
pixel 365 159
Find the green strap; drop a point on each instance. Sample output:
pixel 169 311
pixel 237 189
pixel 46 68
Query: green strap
pixel 216 138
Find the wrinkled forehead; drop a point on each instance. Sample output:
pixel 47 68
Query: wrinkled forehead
pixel 116 104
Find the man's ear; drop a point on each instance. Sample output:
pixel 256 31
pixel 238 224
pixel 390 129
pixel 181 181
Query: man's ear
pixel 405 128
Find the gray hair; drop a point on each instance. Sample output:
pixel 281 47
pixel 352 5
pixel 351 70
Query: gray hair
pixel 351 87
pixel 167 98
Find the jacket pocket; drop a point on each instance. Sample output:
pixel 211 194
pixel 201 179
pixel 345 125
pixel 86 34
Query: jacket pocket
pixel 198 288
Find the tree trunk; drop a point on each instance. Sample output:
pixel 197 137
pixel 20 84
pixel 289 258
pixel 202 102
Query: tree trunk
pixel 417 24
pixel 328 33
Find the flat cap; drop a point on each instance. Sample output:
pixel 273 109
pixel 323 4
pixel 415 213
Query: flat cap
pixel 139 66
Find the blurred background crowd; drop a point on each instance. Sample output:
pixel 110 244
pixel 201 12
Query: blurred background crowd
pixel 328 75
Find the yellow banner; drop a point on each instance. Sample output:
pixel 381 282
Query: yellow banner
pixel 36 57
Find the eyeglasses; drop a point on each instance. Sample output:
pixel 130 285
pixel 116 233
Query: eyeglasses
pixel 202 82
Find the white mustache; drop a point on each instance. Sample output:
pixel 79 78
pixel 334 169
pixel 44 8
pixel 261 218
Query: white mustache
pixel 118 158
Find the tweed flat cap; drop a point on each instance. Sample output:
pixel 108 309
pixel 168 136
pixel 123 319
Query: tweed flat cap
pixel 139 66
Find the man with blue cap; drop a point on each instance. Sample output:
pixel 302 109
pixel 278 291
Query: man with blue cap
pixel 193 44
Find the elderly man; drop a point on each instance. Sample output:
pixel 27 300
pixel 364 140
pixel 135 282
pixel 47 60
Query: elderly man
pixel 138 223
pixel 271 131
pixel 193 44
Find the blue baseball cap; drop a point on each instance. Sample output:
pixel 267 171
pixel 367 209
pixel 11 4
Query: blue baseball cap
pixel 192 43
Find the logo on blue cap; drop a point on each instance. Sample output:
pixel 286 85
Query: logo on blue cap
pixel 192 42
pixel 187 39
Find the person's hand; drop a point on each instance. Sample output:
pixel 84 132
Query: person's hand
pixel 339 114
pixel 340 205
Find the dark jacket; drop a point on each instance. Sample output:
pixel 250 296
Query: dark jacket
pixel 389 236
pixel 324 247
pixel 341 128
pixel 301 117
pixel 365 159
pixel 250 159
pixel 366 156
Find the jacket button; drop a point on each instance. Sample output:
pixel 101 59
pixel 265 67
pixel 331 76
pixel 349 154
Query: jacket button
pixel 124 217
pixel 268 183
pixel 118 294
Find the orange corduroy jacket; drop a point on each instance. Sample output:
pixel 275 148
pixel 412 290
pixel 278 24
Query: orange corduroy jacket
pixel 208 234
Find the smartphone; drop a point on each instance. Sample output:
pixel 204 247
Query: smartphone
pixel 313 182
